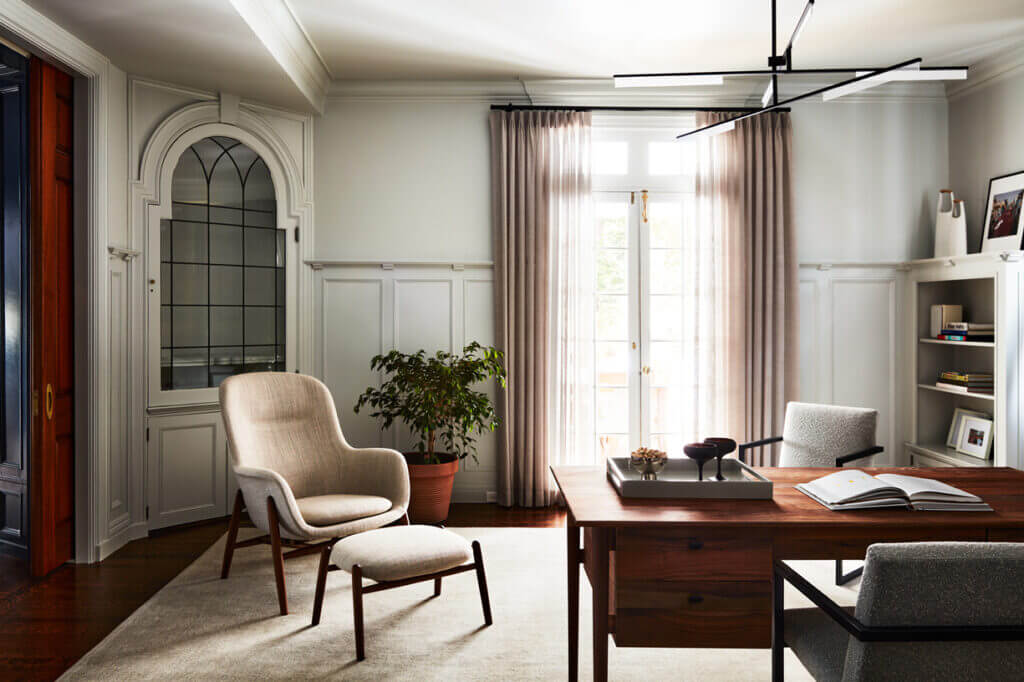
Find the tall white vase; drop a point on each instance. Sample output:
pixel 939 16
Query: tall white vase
pixel 950 226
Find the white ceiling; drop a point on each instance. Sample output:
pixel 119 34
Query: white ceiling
pixel 206 44
pixel 436 39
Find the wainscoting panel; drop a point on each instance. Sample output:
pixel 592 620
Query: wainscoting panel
pixel 119 465
pixel 366 309
pixel 187 468
pixel 849 339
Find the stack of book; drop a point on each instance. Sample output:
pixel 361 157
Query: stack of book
pixel 967 331
pixel 965 382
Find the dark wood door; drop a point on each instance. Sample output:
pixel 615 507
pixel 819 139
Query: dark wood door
pixel 52 464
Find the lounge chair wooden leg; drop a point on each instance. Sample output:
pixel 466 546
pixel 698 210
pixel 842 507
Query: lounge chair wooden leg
pixel 437 587
pixel 481 580
pixel 357 609
pixel 321 583
pixel 229 547
pixel 277 555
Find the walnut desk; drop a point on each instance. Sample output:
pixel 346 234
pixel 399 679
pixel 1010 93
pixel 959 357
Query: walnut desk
pixel 698 573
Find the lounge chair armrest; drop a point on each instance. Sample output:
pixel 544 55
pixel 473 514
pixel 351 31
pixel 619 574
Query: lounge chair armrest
pixel 868 452
pixel 377 471
pixel 257 485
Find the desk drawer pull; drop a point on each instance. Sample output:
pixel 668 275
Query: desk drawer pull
pixel 696 543
pixel 695 598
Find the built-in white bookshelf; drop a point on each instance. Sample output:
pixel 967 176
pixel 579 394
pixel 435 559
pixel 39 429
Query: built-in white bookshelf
pixel 990 287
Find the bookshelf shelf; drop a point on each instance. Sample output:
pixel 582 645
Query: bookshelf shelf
pixel 962 344
pixel 950 391
pixel 946 455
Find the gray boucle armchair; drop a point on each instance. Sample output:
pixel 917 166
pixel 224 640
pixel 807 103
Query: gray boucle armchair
pixel 925 611
pixel 298 477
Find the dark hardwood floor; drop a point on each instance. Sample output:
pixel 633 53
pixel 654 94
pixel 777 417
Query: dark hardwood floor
pixel 47 624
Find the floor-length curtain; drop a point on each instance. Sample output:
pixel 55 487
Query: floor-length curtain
pixel 744 194
pixel 540 188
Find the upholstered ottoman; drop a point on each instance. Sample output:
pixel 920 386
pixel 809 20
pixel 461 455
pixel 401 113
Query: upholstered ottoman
pixel 397 556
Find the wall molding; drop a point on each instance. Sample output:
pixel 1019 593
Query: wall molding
pixel 990 71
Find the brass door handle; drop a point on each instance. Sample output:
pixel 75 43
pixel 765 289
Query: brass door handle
pixel 49 401
pixel 643 198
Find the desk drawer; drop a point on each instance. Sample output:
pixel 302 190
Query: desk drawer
pixel 673 555
pixel 723 614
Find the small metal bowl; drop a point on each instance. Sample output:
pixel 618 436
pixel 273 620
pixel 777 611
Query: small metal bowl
pixel 647 467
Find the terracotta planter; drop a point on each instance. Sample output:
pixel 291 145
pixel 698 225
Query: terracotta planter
pixel 431 487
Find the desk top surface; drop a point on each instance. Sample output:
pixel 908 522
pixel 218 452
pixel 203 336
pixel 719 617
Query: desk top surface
pixel 593 502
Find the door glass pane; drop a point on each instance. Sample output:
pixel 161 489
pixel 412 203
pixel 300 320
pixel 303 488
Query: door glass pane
pixel 222 265
pixel 612 318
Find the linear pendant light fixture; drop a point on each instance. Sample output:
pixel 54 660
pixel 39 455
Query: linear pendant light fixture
pixel 862 78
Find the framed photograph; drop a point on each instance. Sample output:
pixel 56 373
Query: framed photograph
pixel 975 437
pixel 958 419
pixel 1001 224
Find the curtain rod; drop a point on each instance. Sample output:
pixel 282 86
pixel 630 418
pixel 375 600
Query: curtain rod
pixel 540 107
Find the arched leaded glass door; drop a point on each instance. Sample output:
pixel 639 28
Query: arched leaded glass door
pixel 222 269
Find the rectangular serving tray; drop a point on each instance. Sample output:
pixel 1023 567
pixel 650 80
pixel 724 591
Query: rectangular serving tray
pixel 678 480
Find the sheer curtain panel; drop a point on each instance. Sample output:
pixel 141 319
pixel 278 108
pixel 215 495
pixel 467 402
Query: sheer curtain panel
pixel 540 198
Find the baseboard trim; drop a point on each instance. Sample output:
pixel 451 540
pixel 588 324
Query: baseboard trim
pixel 115 542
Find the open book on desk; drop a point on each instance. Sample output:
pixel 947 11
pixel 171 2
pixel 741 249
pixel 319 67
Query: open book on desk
pixel 853 489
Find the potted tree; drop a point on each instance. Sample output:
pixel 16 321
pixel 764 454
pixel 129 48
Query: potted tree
pixel 434 397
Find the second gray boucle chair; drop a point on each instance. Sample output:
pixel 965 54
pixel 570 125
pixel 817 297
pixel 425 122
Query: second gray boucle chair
pixel 824 436
pixel 301 482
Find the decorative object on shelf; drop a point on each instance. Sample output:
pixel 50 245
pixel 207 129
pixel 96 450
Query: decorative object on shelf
pixel 434 397
pixel 975 437
pixel 1001 222
pixel 725 446
pixel 959 414
pixel 942 315
pixel 648 462
pixel 950 226
pixel 701 453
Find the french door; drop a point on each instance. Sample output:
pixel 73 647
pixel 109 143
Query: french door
pixel 647 315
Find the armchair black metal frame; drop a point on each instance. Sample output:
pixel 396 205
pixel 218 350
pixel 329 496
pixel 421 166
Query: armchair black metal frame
pixel 841 578
pixel 868 633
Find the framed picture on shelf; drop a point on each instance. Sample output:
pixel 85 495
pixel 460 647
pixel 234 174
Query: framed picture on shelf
pixel 975 437
pixel 1001 224
pixel 959 414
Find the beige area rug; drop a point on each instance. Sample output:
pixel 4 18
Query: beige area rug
pixel 201 627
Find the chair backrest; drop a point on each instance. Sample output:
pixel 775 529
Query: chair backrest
pixel 286 423
pixel 814 435
pixel 940 584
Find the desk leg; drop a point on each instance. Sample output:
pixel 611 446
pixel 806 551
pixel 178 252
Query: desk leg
pixel 573 558
pixel 599 583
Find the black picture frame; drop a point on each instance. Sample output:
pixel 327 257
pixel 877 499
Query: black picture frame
pixel 1018 236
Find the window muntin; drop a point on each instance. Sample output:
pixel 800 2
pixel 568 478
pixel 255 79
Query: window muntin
pixel 222 267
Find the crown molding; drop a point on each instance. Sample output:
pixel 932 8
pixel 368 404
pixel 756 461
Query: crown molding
pixel 277 27
pixel 602 92
pixel 1008 62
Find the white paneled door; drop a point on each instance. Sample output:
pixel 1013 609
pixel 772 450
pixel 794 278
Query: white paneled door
pixel 645 311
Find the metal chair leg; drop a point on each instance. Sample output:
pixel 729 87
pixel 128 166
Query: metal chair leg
pixel 843 578
pixel 481 580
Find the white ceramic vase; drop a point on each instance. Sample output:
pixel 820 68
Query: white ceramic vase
pixel 950 226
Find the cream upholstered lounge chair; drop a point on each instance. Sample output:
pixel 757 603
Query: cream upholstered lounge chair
pixel 300 480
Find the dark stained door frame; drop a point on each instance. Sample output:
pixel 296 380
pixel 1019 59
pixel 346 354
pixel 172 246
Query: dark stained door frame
pixel 52 460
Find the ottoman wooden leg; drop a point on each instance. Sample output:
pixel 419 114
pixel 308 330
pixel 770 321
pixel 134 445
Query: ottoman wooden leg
pixel 357 609
pixel 437 587
pixel 481 580
pixel 321 583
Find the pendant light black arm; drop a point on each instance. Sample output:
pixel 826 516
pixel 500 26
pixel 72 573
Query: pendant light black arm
pixel 812 93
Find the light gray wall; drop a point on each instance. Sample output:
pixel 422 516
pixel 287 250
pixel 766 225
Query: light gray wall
pixel 866 175
pixel 411 179
pixel 985 142
pixel 403 180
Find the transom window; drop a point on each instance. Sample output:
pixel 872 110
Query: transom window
pixel 222 266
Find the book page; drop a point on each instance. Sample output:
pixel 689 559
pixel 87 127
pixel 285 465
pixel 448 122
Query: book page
pixel 851 485
pixel 927 489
